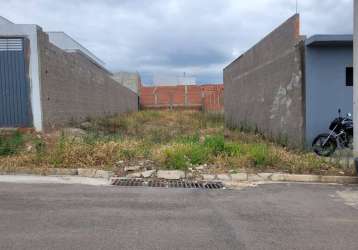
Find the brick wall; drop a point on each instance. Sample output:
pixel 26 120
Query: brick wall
pixel 264 87
pixel 74 88
pixel 207 97
pixel 213 97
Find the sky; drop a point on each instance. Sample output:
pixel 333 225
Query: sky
pixel 198 37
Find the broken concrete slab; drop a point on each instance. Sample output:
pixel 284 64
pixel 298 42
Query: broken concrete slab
pixel 148 173
pixel 132 168
pixel 134 175
pixel 209 177
pixel 171 174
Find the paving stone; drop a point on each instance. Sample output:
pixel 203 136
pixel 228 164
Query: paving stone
pixel 171 174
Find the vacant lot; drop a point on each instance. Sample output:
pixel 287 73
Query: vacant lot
pixel 159 139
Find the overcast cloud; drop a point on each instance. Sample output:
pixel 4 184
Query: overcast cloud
pixel 199 37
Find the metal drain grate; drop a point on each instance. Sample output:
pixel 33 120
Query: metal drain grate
pixel 167 184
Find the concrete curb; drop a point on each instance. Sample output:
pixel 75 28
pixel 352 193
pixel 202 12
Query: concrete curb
pixel 80 172
pixel 227 178
pixel 278 177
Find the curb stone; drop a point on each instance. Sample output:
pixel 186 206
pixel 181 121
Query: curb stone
pixel 239 177
pixel 223 177
pixel 81 172
pixel 176 175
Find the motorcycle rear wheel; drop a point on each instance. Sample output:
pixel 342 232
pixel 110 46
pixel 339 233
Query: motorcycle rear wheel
pixel 322 149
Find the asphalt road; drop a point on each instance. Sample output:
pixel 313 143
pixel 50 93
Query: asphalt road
pixel 275 216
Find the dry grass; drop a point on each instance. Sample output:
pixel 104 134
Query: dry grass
pixel 171 139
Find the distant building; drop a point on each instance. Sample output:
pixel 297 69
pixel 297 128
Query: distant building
pixel 289 87
pixel 129 80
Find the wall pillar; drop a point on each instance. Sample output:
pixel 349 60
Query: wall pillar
pixel 355 88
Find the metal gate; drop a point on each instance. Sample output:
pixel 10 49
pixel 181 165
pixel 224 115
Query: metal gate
pixel 14 87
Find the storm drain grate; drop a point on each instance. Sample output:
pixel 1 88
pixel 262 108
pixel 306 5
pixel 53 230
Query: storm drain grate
pixel 167 184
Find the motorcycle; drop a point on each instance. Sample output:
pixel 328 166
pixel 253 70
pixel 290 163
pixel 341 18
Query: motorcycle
pixel 340 136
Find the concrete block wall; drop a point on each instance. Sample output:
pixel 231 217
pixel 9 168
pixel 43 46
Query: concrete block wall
pixel 74 88
pixel 264 88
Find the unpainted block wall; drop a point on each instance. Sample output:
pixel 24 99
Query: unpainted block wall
pixel 74 88
pixel 264 87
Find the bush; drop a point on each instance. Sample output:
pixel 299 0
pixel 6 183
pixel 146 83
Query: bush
pixel 10 145
pixel 233 149
pixel 197 154
pixel 216 144
pixel 180 156
pixel 260 154
pixel 174 158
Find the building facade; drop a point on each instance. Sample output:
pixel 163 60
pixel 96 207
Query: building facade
pixel 44 86
pixel 288 87
pixel 329 81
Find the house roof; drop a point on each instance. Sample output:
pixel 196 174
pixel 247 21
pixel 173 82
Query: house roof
pixel 330 40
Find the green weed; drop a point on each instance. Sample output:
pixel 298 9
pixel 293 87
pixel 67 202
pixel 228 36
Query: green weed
pixel 11 144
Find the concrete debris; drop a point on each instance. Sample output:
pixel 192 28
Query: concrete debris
pixel 148 173
pixel 171 174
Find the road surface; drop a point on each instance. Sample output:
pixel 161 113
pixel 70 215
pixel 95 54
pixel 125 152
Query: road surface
pixel 274 216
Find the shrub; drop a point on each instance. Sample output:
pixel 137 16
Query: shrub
pixel 233 149
pixel 57 155
pixel 11 144
pixel 40 148
pixel 197 154
pixel 260 154
pixel 174 158
pixel 215 143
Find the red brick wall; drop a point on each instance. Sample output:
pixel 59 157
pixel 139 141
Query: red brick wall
pixel 207 97
pixel 213 98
